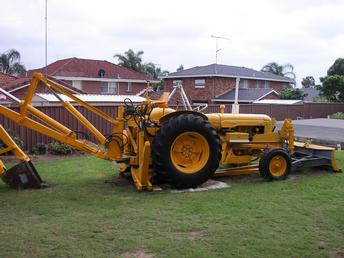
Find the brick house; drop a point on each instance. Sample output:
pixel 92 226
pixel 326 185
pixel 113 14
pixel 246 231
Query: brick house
pixel 205 84
pixel 85 76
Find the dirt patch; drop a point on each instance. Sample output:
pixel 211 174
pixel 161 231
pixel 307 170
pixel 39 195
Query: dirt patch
pixel 72 238
pixel 337 254
pixel 43 158
pixel 322 244
pixel 195 235
pixel 137 254
pixel 121 181
pixel 54 238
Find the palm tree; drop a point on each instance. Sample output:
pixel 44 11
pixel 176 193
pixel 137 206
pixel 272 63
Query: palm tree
pixel 10 62
pixel 131 60
pixel 154 71
pixel 282 70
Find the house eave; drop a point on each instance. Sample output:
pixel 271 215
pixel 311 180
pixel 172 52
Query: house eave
pixel 226 76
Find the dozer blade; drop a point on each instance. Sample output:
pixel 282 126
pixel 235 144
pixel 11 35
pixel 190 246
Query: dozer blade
pixel 23 176
pixel 311 155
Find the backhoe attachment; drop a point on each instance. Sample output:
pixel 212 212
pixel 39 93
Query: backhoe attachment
pixel 22 175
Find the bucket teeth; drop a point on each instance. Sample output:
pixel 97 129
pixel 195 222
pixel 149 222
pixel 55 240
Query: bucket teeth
pixel 22 176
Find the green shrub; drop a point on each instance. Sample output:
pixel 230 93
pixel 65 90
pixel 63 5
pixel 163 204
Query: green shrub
pixel 338 115
pixel 39 149
pixel 58 148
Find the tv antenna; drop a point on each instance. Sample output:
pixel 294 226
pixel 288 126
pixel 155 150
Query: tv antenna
pixel 217 48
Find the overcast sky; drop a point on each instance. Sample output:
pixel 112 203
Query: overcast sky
pixel 306 33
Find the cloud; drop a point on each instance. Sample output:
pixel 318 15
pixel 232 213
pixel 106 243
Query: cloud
pixel 307 34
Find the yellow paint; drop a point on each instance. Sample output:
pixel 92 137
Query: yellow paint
pixel 278 166
pixel 2 168
pixel 190 152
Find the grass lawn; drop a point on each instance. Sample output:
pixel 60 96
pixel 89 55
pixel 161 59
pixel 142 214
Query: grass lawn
pixel 81 216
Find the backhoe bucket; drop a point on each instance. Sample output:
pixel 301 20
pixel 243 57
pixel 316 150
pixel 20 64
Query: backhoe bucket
pixel 22 176
pixel 311 155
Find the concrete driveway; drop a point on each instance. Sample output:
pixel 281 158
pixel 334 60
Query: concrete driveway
pixel 321 130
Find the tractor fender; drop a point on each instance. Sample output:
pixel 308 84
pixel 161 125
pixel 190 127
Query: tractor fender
pixel 167 117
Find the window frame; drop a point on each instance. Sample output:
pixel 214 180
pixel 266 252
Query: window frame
pixel 109 85
pixel 199 86
pixel 130 86
pixel 244 84
pixel 175 83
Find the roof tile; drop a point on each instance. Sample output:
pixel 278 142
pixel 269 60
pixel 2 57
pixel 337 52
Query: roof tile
pixel 246 94
pixel 228 71
pixel 5 78
pixel 88 68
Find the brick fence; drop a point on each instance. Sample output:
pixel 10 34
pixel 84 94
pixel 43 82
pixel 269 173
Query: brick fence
pixel 31 138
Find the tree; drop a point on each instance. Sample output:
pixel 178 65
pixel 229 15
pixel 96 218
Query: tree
pixel 337 68
pixel 154 71
pixel 180 68
pixel 282 70
pixel 10 62
pixel 293 94
pixel 131 60
pixel 308 82
pixel 332 88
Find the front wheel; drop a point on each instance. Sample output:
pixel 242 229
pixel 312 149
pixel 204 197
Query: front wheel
pixel 186 151
pixel 275 164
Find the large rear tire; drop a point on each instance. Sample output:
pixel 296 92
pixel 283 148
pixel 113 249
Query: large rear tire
pixel 186 151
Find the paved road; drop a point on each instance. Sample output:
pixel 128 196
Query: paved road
pixel 321 130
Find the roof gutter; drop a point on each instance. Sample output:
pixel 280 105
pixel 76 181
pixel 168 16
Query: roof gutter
pixel 232 100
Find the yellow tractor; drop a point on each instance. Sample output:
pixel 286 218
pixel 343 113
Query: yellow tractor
pixel 154 143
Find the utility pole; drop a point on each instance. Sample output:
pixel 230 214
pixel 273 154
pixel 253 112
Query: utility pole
pixel 46 37
pixel 217 49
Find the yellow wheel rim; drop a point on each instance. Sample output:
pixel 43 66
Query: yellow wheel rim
pixel 278 166
pixel 189 152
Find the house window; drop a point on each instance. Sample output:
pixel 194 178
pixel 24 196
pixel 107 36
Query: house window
pixel 176 82
pixel 129 86
pixel 243 84
pixel 108 88
pixel 266 85
pixel 77 84
pixel 69 82
pixel 262 84
pixel 200 83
